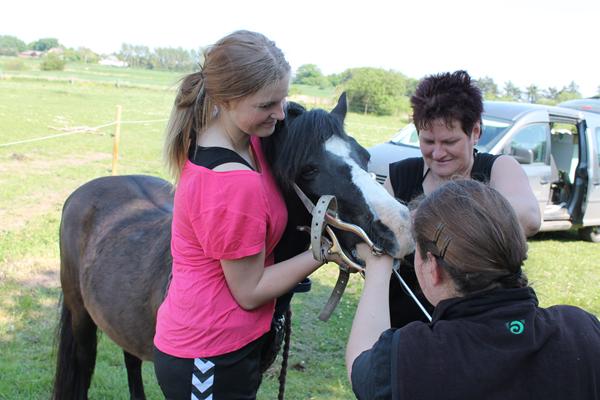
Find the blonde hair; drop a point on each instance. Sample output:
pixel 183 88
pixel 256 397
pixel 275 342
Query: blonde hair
pixel 238 65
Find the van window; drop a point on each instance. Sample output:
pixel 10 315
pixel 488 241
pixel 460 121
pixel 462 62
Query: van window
pixel 407 136
pixel 532 138
pixel 493 130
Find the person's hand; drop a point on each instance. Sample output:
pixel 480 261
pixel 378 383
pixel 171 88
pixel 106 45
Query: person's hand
pixel 372 261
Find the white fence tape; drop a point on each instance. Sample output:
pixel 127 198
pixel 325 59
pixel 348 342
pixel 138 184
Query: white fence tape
pixel 86 129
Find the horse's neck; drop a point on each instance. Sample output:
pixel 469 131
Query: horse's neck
pixel 270 144
pixel 293 241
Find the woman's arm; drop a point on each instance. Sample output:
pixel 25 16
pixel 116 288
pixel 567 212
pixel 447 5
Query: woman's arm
pixel 510 180
pixel 372 316
pixel 252 285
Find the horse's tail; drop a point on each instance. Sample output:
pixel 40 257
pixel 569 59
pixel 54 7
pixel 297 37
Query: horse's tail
pixel 75 358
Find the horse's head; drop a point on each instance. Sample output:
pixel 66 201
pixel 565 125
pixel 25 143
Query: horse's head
pixel 311 149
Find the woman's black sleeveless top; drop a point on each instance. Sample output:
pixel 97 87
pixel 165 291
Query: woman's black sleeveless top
pixel 406 176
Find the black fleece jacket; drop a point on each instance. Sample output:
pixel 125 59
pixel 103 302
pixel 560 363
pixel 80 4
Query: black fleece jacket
pixel 493 345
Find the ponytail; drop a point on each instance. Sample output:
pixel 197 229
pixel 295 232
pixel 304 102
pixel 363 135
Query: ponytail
pixel 189 116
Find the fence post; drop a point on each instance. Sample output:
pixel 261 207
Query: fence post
pixel 116 139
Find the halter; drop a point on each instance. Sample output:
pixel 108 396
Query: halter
pixel 324 216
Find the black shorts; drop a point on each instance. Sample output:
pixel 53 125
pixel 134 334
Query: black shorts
pixel 234 375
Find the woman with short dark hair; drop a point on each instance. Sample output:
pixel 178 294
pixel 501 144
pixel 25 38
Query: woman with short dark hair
pixel 447 110
pixel 488 339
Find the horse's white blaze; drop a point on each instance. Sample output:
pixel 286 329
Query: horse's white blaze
pixel 384 207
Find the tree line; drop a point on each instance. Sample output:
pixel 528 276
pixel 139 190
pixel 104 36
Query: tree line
pixel 13 46
pixel 386 92
pixel 161 58
pixel 136 56
pixel 369 90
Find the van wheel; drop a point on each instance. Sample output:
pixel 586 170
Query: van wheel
pixel 590 234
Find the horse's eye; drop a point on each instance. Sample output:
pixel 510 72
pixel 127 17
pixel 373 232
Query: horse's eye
pixel 309 172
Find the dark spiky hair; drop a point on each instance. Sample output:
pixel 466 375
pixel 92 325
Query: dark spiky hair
pixel 449 96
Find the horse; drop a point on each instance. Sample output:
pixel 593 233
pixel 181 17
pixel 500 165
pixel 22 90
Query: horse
pixel 115 258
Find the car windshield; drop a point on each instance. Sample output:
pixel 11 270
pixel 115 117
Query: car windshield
pixel 407 136
pixel 493 129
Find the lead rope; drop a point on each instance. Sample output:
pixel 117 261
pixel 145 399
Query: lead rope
pixel 286 350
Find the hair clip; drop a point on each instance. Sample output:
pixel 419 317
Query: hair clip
pixel 446 240
pixel 438 231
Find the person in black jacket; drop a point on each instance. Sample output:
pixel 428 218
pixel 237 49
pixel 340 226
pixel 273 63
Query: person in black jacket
pixel 488 339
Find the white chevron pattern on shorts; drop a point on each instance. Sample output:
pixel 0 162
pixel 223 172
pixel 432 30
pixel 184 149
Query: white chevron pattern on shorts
pixel 204 398
pixel 202 379
pixel 203 365
pixel 200 385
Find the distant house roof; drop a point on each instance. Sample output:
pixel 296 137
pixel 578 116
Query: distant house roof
pixel 31 54
pixel 113 62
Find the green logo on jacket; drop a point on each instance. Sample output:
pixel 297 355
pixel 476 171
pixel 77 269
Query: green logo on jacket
pixel 516 327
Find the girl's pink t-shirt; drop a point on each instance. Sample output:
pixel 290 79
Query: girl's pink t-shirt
pixel 217 215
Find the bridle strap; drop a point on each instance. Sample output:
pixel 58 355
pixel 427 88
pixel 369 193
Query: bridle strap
pixel 336 294
pixel 324 216
pixel 326 204
pixel 304 198
pixel 324 213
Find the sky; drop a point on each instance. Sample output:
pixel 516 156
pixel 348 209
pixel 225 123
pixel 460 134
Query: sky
pixel 548 43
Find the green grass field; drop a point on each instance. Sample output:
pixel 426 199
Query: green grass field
pixel 36 177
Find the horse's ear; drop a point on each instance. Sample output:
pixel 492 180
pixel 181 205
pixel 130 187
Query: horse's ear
pixel 341 108
pixel 294 109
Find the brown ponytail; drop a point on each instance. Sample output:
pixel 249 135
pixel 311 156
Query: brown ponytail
pixel 188 117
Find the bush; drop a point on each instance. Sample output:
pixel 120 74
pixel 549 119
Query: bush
pixel 52 62
pixel 82 54
pixel 15 65
pixel 374 90
pixel 11 45
pixel 44 44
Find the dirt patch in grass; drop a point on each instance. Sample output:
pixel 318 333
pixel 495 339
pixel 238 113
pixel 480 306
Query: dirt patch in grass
pixel 16 215
pixel 17 163
pixel 33 272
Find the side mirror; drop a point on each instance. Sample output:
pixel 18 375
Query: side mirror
pixel 523 156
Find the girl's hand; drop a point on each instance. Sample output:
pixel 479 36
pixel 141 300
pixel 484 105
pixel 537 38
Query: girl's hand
pixel 373 261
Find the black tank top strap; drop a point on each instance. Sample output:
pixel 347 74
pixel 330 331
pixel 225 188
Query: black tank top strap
pixel 482 166
pixel 406 177
pixel 212 157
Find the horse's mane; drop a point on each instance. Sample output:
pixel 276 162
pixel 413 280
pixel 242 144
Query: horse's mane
pixel 300 135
